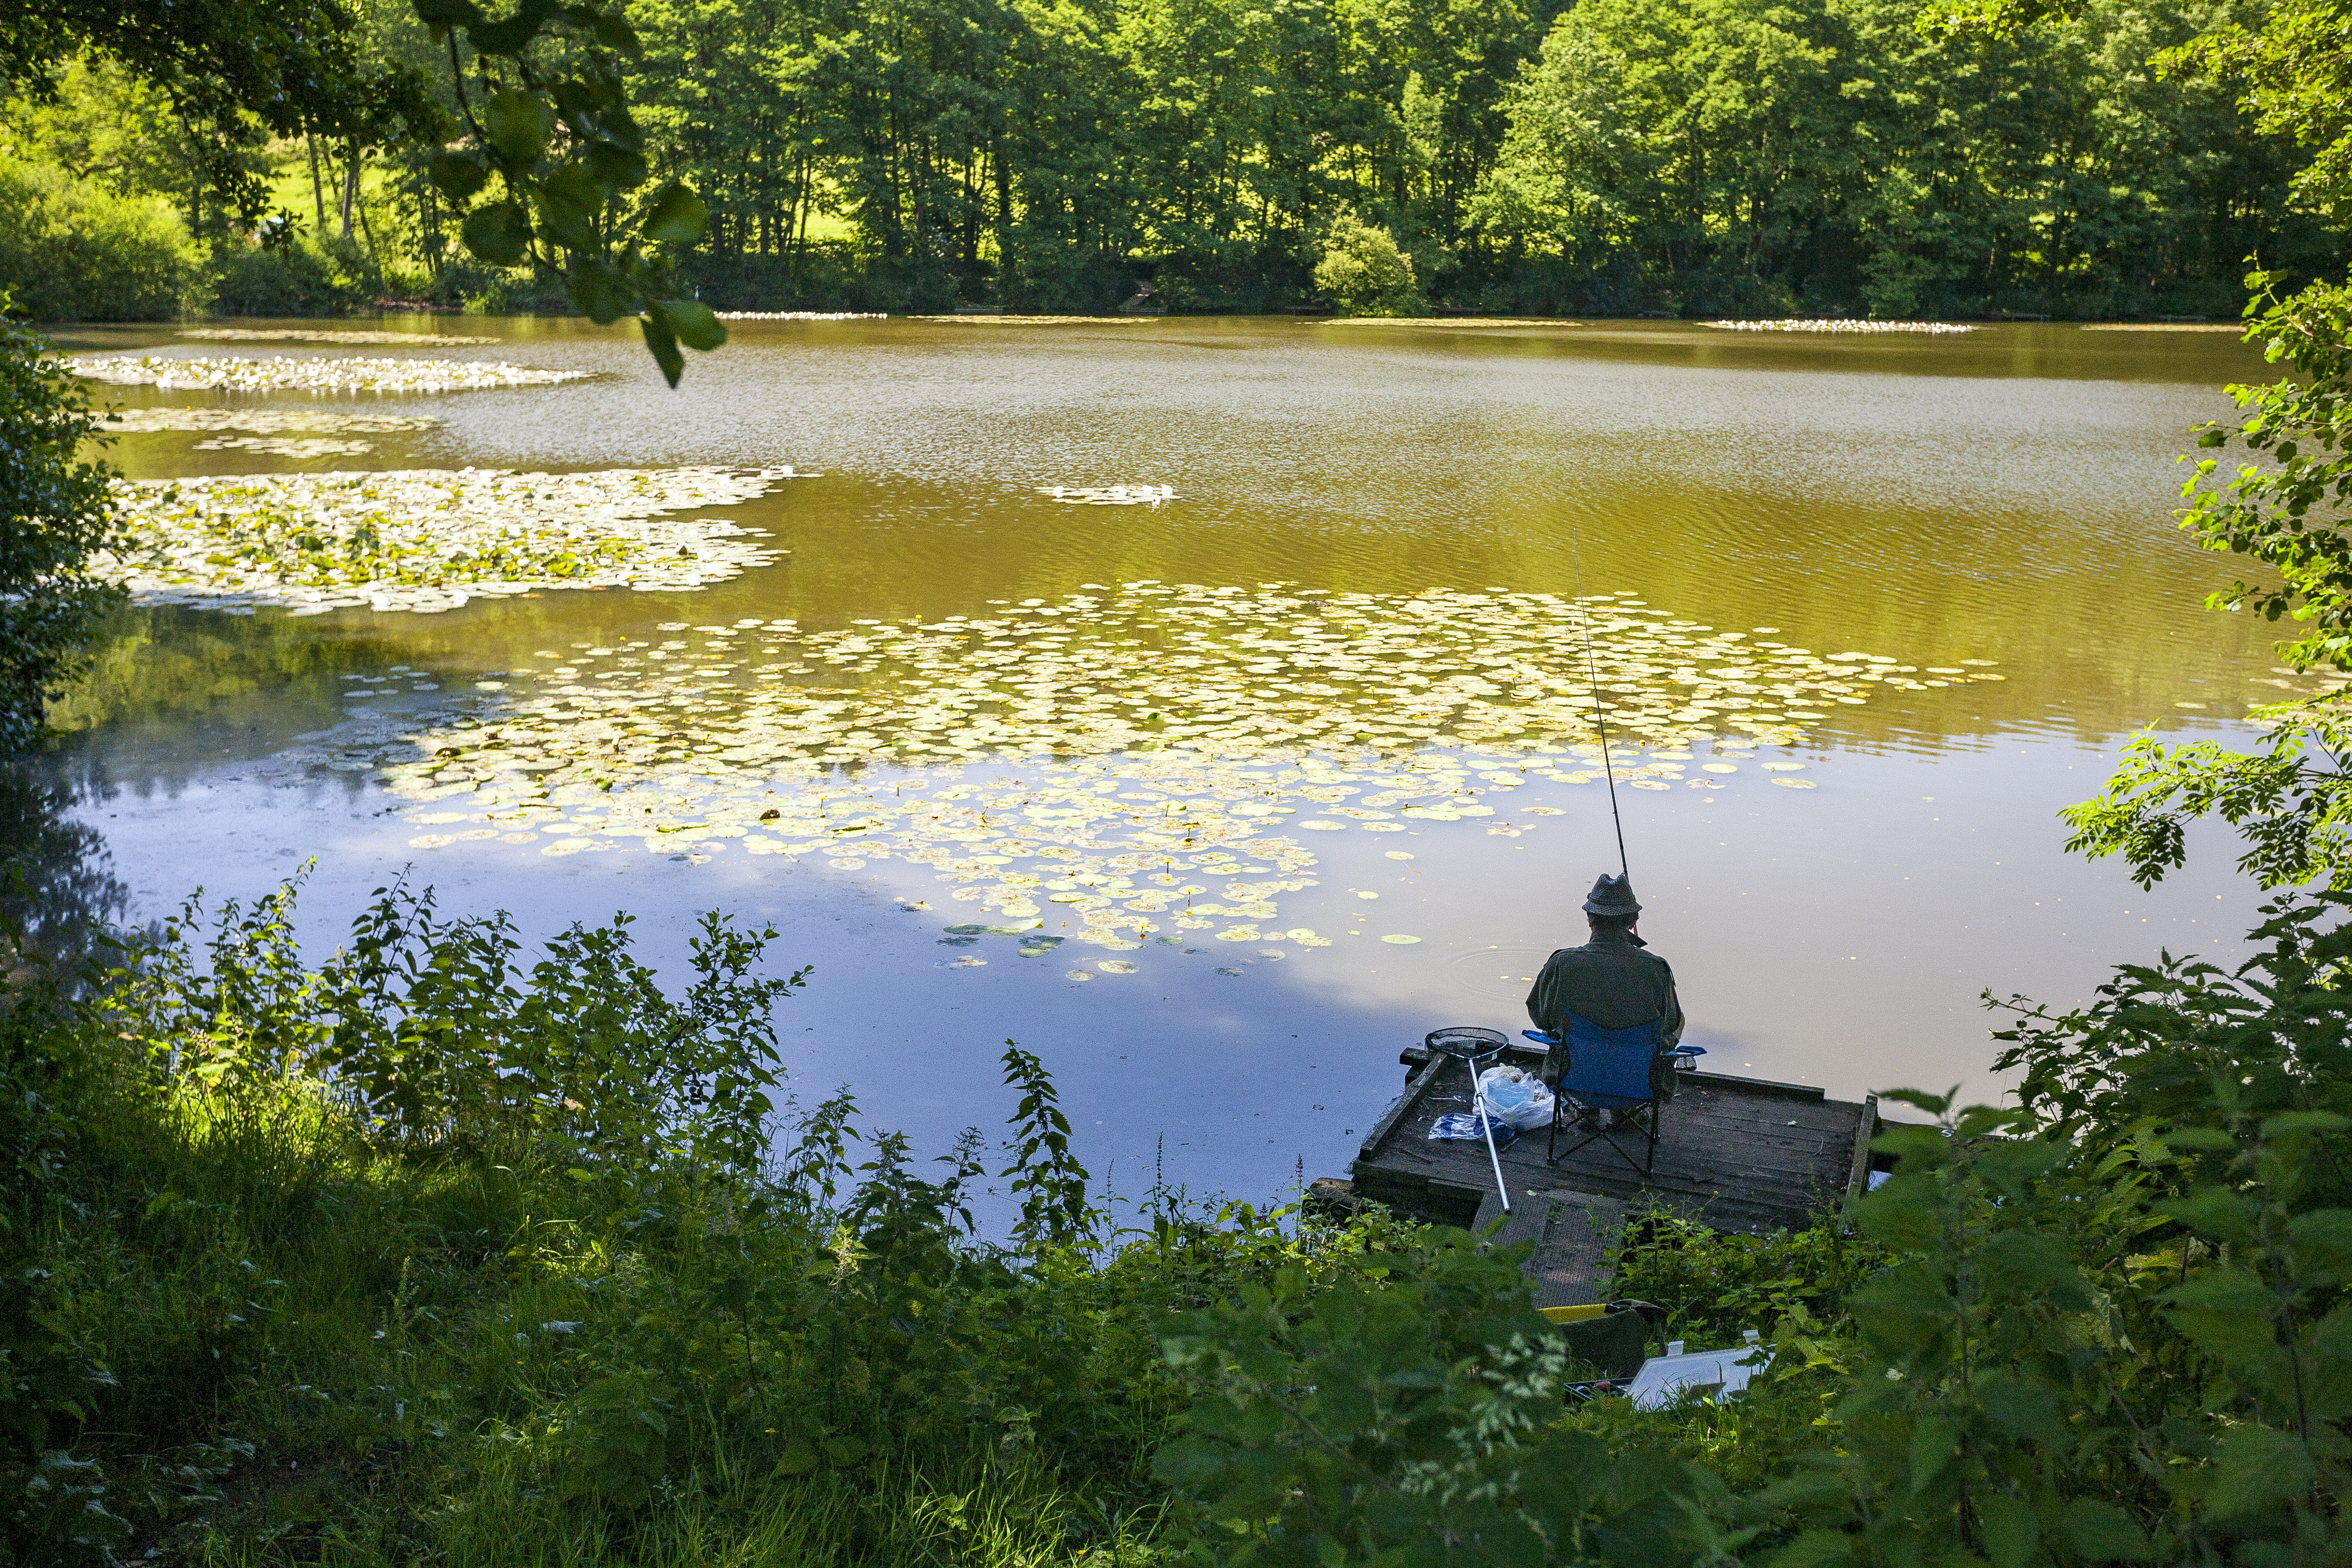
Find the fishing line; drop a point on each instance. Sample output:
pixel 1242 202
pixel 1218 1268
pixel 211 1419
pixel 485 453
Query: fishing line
pixel 1592 674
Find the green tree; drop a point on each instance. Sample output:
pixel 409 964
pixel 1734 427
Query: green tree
pixel 2282 505
pixel 1362 270
pixel 55 511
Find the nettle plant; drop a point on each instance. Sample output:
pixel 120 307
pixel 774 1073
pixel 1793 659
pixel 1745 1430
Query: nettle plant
pixel 552 161
pixel 440 1036
pixel 2122 1332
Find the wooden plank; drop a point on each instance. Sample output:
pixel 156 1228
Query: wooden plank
pixel 1761 1088
pixel 1415 1087
pixel 1858 1182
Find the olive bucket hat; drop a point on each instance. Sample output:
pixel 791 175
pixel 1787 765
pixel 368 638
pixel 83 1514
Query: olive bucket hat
pixel 1613 896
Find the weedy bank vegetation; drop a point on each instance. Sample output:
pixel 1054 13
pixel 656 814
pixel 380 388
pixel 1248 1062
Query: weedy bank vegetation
pixel 443 1252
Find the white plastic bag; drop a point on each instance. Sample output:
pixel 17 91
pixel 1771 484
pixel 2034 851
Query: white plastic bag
pixel 1516 1098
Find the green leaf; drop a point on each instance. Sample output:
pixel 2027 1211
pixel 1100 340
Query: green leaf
pixel 663 342
pixel 2010 1530
pixel 1818 1549
pixel 2025 1265
pixel 2258 1471
pixel 617 168
pixel 676 216
pixel 1933 1445
pixel 458 175
pixel 2323 1247
pixel 2229 1312
pixel 697 327
pixel 510 36
pixel 499 233
pixel 2213 1212
pixel 600 292
pixel 518 125
pixel 568 202
pixel 2101 1533
pixel 612 30
pixel 2024 1409
pixel 2287 1121
pixel 440 13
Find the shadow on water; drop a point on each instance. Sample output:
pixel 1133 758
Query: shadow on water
pixel 57 886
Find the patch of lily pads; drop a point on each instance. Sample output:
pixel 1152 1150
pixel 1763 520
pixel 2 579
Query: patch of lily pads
pixel 427 539
pixel 303 447
pixel 263 421
pixel 1153 758
pixel 298 433
pixel 277 373
pixel 1841 324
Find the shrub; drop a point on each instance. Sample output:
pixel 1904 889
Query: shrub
pixel 1365 273
pixel 303 279
pixel 55 511
pixel 72 250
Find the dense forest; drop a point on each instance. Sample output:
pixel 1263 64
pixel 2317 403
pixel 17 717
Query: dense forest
pixel 1675 156
pixel 1684 156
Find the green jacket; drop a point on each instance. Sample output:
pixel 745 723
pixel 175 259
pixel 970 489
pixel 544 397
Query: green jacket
pixel 1610 982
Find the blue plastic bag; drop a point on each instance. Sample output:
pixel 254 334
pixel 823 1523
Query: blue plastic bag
pixel 1465 1124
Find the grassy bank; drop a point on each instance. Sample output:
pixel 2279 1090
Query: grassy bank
pixel 439 1252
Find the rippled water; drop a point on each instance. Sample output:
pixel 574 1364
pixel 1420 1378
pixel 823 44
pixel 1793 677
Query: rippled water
pixel 2002 496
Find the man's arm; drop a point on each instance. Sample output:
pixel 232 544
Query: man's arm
pixel 1544 1008
pixel 1671 1034
pixel 1546 1012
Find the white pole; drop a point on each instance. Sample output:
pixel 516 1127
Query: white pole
pixel 1478 1094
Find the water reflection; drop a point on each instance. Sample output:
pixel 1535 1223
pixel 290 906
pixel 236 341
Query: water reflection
pixel 57 888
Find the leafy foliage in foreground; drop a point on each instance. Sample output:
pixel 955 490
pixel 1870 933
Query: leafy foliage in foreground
pixel 55 511
pixel 2283 508
pixel 426 1253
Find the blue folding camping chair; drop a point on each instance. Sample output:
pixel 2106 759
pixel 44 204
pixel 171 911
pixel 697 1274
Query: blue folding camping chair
pixel 1614 1070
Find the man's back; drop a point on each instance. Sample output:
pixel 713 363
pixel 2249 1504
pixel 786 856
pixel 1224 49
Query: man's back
pixel 1610 981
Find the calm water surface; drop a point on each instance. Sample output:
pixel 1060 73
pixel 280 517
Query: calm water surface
pixel 2005 495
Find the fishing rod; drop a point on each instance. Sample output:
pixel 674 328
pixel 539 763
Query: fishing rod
pixel 1592 674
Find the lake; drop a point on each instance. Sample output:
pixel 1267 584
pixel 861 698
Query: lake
pixel 1273 771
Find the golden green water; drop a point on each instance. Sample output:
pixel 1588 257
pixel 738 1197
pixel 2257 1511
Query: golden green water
pixel 1359 607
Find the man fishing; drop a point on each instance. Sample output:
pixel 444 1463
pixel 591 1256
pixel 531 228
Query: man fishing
pixel 1612 980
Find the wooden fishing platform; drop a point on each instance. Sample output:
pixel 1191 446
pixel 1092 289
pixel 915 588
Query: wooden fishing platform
pixel 1737 1154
